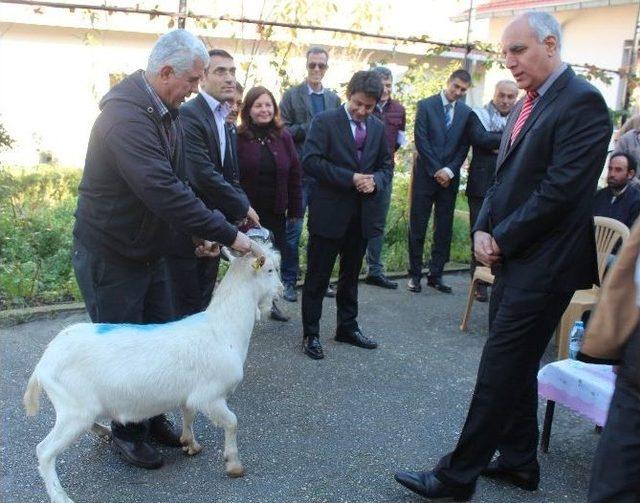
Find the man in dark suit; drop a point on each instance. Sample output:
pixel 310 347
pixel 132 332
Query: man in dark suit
pixel 299 105
pixel 535 229
pixel 484 128
pixel 347 154
pixel 442 147
pixel 212 172
pixel 619 199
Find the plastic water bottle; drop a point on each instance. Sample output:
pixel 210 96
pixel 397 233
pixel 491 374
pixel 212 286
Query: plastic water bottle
pixel 575 339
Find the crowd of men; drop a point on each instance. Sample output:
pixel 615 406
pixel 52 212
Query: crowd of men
pixel 161 190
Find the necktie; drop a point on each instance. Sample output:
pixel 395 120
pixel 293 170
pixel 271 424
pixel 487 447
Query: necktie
pixel 524 114
pixel 448 115
pixel 360 137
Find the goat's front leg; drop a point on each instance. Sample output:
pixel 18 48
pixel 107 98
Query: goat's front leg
pixel 220 414
pixel 189 443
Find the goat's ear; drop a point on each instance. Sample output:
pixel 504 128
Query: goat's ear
pixel 258 262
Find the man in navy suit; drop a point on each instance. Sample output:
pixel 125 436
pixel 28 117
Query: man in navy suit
pixel 347 155
pixel 442 147
pixel 535 230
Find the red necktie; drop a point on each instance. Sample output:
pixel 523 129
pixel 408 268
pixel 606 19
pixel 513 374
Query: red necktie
pixel 525 112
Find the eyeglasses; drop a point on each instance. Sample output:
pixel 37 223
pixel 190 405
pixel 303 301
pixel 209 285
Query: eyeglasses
pixel 321 66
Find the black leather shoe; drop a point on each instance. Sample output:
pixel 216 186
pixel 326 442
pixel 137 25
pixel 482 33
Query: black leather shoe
pixel 162 431
pixel 427 485
pixel 137 453
pixel 356 338
pixel 437 283
pixel 312 347
pixel 481 293
pixel 414 286
pixel 276 314
pixel 381 281
pixel 526 477
pixel 331 291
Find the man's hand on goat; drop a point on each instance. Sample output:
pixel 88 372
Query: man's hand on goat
pixel 252 218
pixel 207 249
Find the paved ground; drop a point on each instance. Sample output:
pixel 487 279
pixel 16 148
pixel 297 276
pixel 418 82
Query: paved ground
pixel 328 431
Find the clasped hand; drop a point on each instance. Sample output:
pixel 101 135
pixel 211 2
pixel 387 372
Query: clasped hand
pixel 442 177
pixel 485 249
pixel 364 183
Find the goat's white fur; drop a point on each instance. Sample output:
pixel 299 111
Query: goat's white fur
pixel 132 372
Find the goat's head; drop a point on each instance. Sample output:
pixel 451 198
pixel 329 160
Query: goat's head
pixel 261 268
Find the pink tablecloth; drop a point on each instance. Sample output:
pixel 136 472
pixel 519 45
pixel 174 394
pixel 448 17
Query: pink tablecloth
pixel 583 387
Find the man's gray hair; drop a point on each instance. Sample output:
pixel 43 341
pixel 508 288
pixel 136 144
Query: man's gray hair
pixel 544 24
pixel 178 49
pixel 314 49
pixel 383 71
pixel 506 82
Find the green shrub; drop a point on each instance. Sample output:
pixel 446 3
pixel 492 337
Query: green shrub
pixel 36 221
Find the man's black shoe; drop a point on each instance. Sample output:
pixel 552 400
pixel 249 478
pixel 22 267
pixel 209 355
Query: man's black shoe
pixel 437 283
pixel 137 453
pixel 356 338
pixel 331 291
pixel 381 281
pixel 163 431
pixel 526 477
pixel 427 485
pixel 276 314
pixel 414 286
pixel 312 347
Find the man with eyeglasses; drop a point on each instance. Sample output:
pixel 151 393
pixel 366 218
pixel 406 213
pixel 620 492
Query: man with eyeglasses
pixel 300 104
pixel 212 171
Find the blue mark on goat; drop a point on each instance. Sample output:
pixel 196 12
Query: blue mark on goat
pixel 105 328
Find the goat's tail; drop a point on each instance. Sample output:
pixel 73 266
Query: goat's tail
pixel 31 397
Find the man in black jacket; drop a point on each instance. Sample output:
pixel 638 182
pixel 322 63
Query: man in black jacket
pixel 442 145
pixel 212 171
pixel 619 199
pixel 347 154
pixel 535 229
pixel 484 129
pixel 129 196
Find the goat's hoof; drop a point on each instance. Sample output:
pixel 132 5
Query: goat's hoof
pixel 192 449
pixel 235 470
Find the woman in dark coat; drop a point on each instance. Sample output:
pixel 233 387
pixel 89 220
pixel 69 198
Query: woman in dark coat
pixel 270 172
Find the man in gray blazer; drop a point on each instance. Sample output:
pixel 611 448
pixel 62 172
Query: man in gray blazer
pixel 299 105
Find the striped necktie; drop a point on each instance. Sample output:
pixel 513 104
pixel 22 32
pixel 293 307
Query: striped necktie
pixel 524 114
pixel 448 115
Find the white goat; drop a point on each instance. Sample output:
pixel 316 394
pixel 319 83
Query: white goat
pixel 132 372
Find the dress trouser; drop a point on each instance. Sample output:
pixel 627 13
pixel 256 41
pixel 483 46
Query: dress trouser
pixel 118 291
pixel 321 256
pixel 503 414
pixel 374 245
pixel 291 253
pixel 475 203
pixel 422 201
pixel 615 476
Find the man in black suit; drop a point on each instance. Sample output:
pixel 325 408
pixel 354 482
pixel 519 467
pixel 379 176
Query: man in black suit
pixel 484 128
pixel 535 229
pixel 212 172
pixel 442 148
pixel 347 155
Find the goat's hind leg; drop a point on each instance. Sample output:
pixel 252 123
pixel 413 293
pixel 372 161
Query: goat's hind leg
pixel 68 428
pixel 219 413
pixel 189 443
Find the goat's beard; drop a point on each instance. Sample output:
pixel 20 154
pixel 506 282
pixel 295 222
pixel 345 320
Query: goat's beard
pixel 264 307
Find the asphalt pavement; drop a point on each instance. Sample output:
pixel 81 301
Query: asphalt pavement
pixel 333 430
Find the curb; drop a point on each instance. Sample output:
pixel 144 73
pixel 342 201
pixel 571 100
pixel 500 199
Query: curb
pixel 12 317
